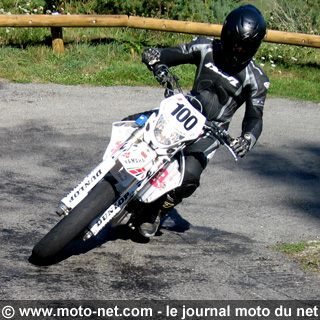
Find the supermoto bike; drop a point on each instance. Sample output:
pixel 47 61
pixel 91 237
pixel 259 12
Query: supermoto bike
pixel 143 161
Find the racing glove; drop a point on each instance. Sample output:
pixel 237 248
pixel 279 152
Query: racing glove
pixel 241 145
pixel 150 57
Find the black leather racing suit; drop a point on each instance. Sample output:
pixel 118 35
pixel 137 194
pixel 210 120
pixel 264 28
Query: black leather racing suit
pixel 221 91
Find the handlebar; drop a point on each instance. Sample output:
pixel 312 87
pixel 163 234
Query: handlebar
pixel 222 135
pixel 166 78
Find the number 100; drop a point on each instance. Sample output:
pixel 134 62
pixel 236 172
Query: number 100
pixel 183 115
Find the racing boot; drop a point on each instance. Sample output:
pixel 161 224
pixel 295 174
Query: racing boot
pixel 159 209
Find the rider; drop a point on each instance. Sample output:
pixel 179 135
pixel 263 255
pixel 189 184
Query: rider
pixel 226 77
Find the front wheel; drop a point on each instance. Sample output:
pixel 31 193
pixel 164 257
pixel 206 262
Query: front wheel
pixel 98 199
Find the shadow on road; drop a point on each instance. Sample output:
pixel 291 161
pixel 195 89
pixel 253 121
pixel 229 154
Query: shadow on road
pixel 109 234
pixel 299 175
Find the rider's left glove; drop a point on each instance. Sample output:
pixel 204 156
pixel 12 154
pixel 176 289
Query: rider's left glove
pixel 151 57
pixel 241 145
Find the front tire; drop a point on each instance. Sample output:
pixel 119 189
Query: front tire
pixel 98 199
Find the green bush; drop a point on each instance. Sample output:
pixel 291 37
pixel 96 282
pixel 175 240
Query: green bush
pixel 294 16
pixel 191 10
pixel 285 15
pixel 22 7
pixel 201 11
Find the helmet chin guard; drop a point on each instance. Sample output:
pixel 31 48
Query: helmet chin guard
pixel 242 35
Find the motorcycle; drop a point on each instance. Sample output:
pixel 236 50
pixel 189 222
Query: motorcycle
pixel 143 161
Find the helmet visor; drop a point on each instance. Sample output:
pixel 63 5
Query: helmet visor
pixel 238 52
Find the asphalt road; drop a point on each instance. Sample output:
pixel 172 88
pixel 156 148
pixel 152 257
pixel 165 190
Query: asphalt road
pixel 215 245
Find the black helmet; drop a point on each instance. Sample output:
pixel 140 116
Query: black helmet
pixel 242 34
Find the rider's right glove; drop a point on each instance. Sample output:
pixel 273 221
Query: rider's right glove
pixel 151 57
pixel 241 145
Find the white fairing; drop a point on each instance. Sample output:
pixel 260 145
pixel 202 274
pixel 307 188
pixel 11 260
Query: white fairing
pixel 121 131
pixel 141 158
pixel 163 181
pixel 177 121
pixel 138 160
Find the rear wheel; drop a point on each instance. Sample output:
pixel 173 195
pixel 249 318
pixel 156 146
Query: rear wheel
pixel 99 198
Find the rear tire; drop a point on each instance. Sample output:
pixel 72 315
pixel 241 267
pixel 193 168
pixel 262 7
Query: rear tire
pixel 99 198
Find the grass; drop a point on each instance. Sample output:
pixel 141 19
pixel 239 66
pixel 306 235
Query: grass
pixel 294 85
pixel 112 56
pixel 306 253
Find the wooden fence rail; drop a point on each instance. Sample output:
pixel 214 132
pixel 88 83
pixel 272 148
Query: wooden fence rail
pixel 57 22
